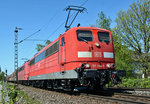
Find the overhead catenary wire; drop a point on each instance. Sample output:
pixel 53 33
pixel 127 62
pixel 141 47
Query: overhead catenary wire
pixel 42 28
pixel 64 21
pixel 55 30
pixel 46 25
pixel 51 19
pixel 29 36
pixel 35 40
pixel 84 3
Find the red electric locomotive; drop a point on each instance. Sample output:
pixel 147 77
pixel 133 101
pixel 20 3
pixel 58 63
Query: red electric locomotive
pixel 82 56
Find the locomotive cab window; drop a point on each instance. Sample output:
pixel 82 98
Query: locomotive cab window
pixel 63 41
pixel 84 35
pixel 104 37
pixel 32 62
pixel 20 69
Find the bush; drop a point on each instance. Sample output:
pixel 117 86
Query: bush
pixel 135 83
pixel 18 96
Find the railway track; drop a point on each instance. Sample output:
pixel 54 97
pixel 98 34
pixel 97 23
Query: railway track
pixel 129 89
pixel 143 92
pixel 110 97
pixel 137 98
pixel 119 98
pixel 113 97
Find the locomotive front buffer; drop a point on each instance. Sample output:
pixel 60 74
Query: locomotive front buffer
pixel 95 78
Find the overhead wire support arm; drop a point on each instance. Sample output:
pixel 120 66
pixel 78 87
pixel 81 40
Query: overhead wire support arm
pixel 74 19
pixel 75 8
pixel 28 36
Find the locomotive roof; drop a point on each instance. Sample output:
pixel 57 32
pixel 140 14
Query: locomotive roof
pixel 87 28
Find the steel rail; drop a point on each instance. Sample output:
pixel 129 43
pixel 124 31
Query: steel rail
pixel 112 100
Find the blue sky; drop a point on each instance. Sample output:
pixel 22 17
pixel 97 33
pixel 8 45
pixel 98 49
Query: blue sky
pixel 47 16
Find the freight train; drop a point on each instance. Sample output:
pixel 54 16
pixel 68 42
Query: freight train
pixel 82 56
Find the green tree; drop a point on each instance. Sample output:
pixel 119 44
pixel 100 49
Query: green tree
pixel 103 21
pixel 41 46
pixel 122 53
pixel 133 28
pixel 123 59
pixel 2 76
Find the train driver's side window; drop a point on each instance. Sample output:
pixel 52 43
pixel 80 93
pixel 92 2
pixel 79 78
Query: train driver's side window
pixel 63 41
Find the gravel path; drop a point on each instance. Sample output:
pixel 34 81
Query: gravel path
pixel 52 97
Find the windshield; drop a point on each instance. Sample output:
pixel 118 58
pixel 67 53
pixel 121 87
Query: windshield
pixel 104 37
pixel 84 35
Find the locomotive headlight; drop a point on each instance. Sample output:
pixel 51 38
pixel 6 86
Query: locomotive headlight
pixel 87 65
pixel 97 44
pixel 108 65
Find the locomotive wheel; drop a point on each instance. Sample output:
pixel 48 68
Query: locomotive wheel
pixel 33 85
pixel 50 85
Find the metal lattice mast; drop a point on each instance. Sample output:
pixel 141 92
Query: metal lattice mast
pixel 16 48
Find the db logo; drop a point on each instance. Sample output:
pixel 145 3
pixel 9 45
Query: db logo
pixel 97 54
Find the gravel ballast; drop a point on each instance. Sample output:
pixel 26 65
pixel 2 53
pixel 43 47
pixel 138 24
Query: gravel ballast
pixel 53 97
